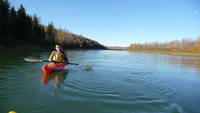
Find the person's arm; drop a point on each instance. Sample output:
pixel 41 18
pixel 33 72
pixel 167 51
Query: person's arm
pixel 66 60
pixel 65 57
pixel 51 56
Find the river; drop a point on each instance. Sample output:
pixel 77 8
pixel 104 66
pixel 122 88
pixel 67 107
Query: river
pixel 117 82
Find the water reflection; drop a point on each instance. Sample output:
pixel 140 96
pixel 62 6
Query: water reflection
pixel 162 61
pixel 58 77
pixel 186 62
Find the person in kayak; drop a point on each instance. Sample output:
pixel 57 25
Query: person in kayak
pixel 58 55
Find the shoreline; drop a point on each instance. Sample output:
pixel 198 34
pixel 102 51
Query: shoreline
pixel 32 46
pixel 178 53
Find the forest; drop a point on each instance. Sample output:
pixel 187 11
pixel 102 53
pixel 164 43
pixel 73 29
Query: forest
pixel 184 45
pixel 19 28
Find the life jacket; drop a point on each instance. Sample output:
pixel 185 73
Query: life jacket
pixel 58 57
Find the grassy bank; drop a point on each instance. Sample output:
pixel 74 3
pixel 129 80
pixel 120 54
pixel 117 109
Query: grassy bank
pixel 115 48
pixel 180 53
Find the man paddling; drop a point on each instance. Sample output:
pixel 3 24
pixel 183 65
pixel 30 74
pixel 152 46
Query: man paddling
pixel 58 55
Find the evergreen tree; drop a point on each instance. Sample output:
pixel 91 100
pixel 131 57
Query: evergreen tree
pixel 12 22
pixel 50 34
pixel 43 33
pixel 4 12
pixel 35 27
pixel 21 23
pixel 29 23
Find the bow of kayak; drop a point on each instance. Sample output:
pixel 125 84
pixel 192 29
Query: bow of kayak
pixel 52 67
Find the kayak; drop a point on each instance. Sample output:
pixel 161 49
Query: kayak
pixel 52 67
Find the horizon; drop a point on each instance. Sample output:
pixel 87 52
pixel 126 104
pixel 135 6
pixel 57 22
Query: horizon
pixel 119 23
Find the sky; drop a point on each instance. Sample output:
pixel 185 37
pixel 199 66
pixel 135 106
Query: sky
pixel 120 22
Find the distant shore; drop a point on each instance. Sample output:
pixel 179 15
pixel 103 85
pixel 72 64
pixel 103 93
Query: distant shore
pixel 179 53
pixel 116 48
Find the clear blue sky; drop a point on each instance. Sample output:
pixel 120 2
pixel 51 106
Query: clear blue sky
pixel 120 22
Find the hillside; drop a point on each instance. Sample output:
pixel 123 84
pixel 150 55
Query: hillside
pixel 19 28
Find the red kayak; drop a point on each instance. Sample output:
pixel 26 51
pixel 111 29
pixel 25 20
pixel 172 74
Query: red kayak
pixel 52 67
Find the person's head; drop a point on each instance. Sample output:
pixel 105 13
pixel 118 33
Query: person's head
pixel 58 47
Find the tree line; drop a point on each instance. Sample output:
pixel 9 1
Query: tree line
pixel 17 27
pixel 188 45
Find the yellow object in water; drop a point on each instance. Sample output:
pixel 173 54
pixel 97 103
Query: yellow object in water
pixel 12 112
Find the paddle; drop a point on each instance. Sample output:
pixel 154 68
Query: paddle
pixel 39 60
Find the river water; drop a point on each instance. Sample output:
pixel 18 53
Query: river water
pixel 117 82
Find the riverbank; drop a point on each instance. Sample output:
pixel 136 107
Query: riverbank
pixel 116 48
pixel 84 43
pixel 179 53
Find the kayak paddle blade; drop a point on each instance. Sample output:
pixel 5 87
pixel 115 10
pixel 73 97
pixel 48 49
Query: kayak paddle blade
pixel 32 60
